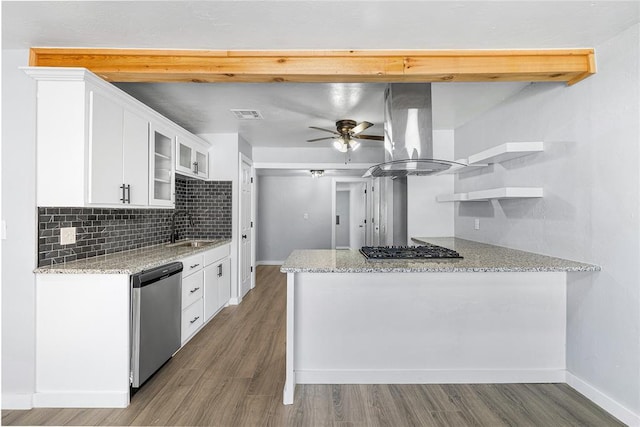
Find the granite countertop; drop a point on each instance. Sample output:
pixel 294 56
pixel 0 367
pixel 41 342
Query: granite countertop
pixel 477 257
pixel 130 262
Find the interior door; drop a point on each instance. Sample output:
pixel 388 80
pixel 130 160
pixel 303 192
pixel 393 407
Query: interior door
pixel 375 212
pixel 245 228
pixel 359 212
pixel 343 217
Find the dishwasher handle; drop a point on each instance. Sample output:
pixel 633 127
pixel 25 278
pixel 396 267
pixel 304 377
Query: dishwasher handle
pixel 147 277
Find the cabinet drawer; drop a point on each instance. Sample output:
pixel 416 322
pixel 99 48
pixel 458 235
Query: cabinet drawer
pixel 192 288
pixel 191 319
pixel 192 264
pixel 215 254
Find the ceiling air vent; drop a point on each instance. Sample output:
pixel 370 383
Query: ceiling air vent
pixel 242 114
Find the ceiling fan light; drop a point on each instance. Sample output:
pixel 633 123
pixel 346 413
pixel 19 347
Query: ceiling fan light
pixel 354 145
pixel 337 144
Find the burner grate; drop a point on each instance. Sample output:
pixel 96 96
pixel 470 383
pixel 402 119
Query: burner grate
pixel 408 252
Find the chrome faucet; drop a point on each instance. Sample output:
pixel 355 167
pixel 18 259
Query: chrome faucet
pixel 174 232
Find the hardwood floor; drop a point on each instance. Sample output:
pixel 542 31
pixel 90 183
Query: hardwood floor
pixel 232 374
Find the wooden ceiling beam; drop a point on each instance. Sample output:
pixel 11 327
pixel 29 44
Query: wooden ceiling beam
pixel 139 65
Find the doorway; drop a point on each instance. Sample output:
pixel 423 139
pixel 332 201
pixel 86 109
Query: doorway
pixel 349 213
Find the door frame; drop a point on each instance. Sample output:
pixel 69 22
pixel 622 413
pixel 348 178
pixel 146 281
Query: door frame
pixel 334 182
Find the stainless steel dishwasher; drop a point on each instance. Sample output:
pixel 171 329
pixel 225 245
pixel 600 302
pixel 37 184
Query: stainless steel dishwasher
pixel 156 306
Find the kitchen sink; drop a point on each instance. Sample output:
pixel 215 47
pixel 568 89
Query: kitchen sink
pixel 191 243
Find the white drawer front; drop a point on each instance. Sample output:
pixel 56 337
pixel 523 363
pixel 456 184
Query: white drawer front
pixel 192 264
pixel 192 288
pixel 215 254
pixel 192 318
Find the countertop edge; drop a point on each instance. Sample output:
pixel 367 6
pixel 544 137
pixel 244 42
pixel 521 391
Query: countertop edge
pixel 441 270
pixel 66 269
pixel 500 260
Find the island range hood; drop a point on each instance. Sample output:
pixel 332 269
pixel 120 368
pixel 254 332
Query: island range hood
pixel 408 133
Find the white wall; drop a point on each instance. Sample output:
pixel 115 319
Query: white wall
pixel 591 209
pixel 19 249
pixel 317 155
pixel 425 216
pixel 282 203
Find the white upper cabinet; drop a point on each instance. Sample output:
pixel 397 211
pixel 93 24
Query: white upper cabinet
pixel 192 158
pixel 118 165
pixel 135 158
pixel 98 146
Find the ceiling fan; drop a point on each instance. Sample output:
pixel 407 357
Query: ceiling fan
pixel 348 132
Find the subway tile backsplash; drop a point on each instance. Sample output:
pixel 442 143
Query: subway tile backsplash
pixel 102 231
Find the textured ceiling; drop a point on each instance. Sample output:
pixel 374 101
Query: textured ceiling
pixel 315 24
pixel 290 108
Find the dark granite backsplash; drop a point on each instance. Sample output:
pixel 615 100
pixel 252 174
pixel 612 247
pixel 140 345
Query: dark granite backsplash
pixel 102 231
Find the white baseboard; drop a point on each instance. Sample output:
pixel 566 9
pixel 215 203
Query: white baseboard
pixel 17 401
pixel 81 400
pixel 269 262
pixel 429 376
pixel 234 301
pixel 605 402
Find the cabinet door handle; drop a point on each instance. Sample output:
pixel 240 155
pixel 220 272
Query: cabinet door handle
pixel 194 320
pixel 128 194
pixel 193 290
pixel 195 167
pixel 194 265
pixel 244 236
pixel 124 196
pixel 219 270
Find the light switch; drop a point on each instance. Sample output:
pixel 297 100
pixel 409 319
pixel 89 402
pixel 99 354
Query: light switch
pixel 305 216
pixel 67 235
pixel 476 224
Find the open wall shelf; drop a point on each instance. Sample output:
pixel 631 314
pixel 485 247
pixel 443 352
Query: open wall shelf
pixel 494 193
pixel 497 154
pixel 500 153
pixel 507 151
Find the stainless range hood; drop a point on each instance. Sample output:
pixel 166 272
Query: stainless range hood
pixel 408 133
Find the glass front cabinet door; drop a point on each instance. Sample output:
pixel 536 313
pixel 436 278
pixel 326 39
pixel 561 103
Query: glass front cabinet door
pixel 192 158
pixel 161 180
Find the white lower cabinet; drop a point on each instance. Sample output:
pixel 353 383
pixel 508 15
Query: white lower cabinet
pixel 192 319
pixel 211 302
pixel 217 280
pixel 206 287
pixel 192 289
pixel 192 295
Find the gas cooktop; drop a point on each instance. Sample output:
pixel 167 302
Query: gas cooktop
pixel 427 251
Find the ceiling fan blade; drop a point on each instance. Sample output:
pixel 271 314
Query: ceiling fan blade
pixel 324 130
pixel 372 137
pixel 320 139
pixel 362 126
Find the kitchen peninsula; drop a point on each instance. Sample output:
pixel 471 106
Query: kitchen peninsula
pixel 496 315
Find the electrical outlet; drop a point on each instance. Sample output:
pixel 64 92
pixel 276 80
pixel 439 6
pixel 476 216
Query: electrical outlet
pixel 305 216
pixel 476 224
pixel 67 235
